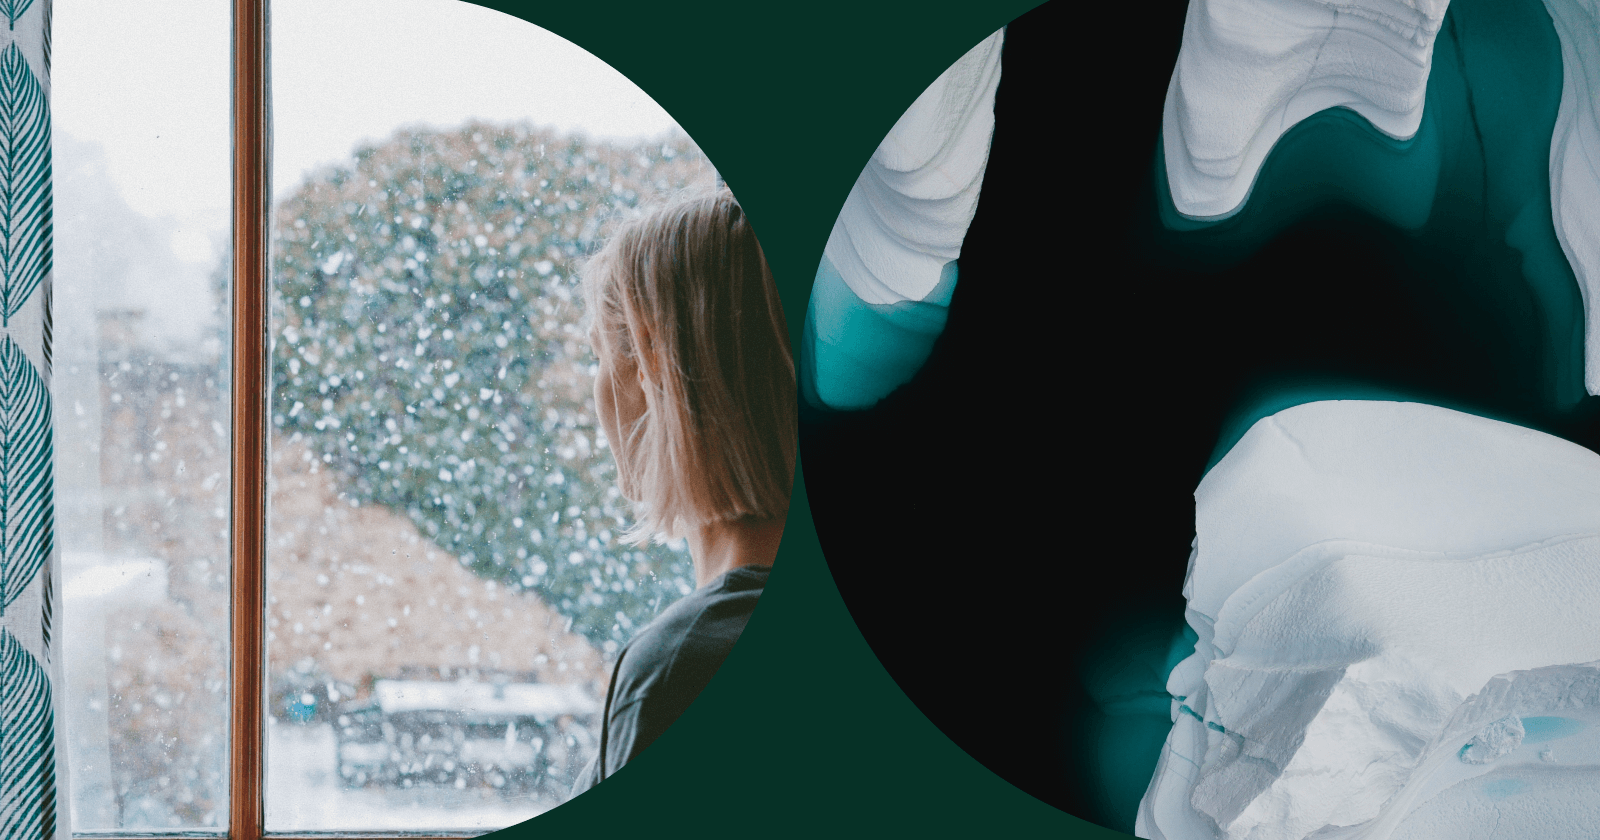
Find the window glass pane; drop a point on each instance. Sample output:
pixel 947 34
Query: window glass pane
pixel 445 581
pixel 141 163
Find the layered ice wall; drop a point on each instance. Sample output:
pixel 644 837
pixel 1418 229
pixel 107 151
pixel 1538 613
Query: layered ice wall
pixel 909 210
pixel 1395 611
pixel 1575 162
pixel 888 271
pixel 1249 70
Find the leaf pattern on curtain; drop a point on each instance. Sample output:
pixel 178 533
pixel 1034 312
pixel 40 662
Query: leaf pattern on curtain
pixel 49 324
pixel 27 750
pixel 30 661
pixel 47 617
pixel 14 9
pixel 27 509
pixel 25 223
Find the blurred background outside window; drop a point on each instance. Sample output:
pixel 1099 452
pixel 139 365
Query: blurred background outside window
pixel 445 583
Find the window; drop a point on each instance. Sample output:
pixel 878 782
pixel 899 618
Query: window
pixel 141 382
pixel 422 524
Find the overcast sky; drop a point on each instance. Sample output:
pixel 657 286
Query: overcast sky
pixel 149 82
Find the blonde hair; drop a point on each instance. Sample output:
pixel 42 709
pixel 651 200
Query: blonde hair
pixel 685 292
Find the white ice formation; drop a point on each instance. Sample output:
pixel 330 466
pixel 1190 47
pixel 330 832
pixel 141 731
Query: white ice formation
pixel 1575 163
pixel 1249 70
pixel 1396 611
pixel 885 281
pixel 909 211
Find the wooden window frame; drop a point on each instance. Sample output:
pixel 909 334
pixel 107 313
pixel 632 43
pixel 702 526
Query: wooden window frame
pixel 249 274
pixel 252 196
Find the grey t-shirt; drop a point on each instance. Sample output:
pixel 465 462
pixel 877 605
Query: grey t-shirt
pixel 661 670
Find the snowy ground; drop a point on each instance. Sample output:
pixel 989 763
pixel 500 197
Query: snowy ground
pixel 304 793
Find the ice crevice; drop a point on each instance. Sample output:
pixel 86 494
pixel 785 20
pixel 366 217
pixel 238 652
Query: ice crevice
pixel 1394 605
pixel 1248 71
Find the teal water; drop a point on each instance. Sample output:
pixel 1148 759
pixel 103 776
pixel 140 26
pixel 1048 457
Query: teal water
pixel 1504 788
pixel 1542 729
pixel 1126 676
pixel 857 353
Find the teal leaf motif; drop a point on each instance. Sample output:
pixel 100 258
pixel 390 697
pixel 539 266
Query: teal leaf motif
pixel 27 509
pixel 47 616
pixel 14 9
pixel 27 752
pixel 25 223
pixel 49 324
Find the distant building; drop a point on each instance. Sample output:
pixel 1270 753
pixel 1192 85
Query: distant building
pixel 355 594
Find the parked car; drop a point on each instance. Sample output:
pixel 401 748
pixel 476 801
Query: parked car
pixel 527 737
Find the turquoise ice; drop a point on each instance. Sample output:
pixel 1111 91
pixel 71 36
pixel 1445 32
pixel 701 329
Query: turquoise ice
pixel 885 281
pixel 860 352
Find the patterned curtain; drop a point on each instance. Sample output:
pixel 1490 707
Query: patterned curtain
pixel 32 758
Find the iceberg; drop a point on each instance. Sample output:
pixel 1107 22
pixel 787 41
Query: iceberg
pixel 1394 605
pixel 889 269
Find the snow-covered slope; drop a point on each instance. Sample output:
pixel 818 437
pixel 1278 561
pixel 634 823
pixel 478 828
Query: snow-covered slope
pixel 1389 598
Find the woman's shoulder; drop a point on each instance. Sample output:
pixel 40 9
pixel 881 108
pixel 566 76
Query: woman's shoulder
pixel 696 631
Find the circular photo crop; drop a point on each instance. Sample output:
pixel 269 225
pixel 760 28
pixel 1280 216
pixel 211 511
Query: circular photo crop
pixel 1205 439
pixel 520 506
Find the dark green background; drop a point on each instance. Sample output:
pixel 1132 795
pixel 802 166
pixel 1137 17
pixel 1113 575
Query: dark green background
pixel 802 733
